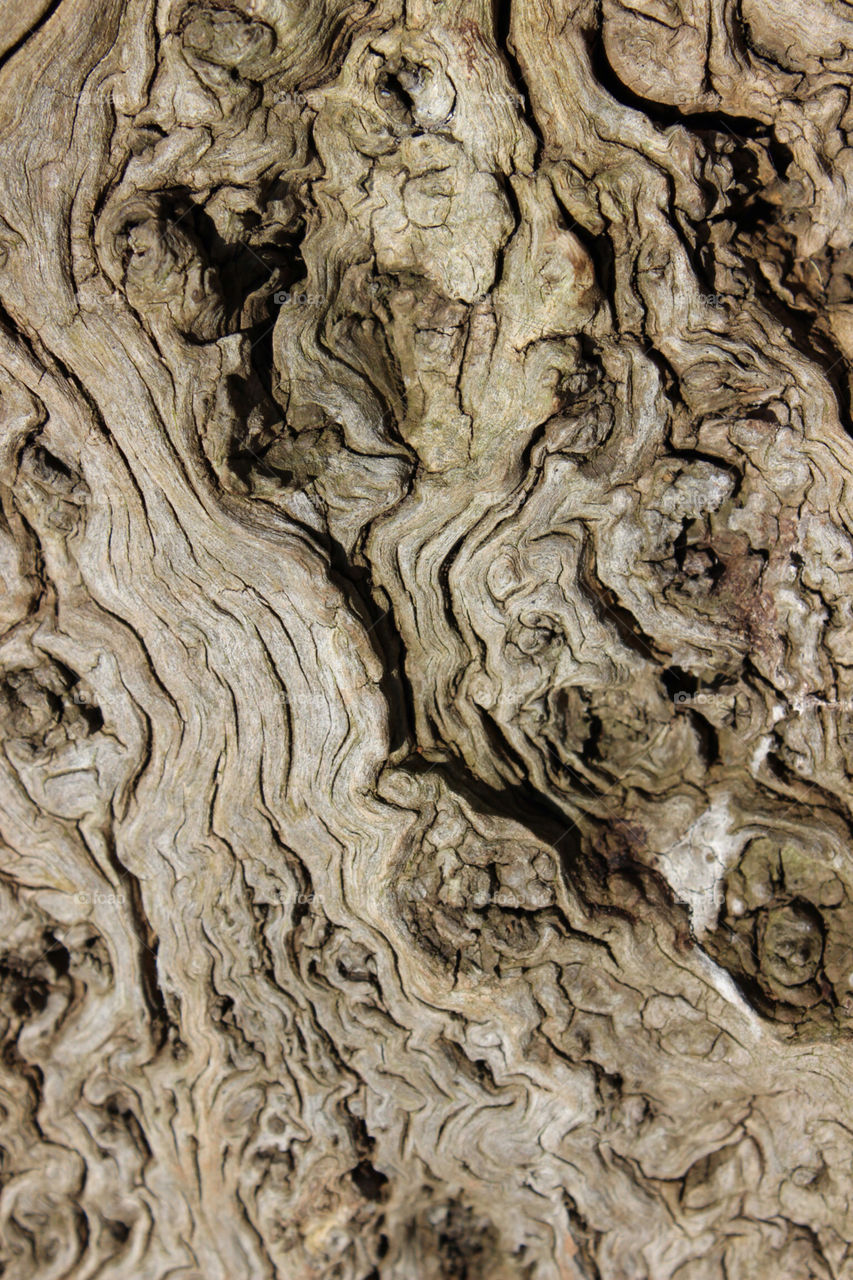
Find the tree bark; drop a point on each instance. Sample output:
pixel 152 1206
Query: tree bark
pixel 426 669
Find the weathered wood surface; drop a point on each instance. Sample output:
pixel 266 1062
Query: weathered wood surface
pixel 427 648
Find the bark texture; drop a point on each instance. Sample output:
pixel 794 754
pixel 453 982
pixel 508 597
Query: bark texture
pixel 426 671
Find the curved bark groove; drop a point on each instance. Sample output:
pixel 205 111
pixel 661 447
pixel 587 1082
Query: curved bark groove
pixel 426 669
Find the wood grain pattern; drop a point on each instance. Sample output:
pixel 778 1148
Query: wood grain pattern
pixel 426 648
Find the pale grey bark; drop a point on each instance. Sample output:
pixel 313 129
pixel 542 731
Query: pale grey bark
pixel 426 668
